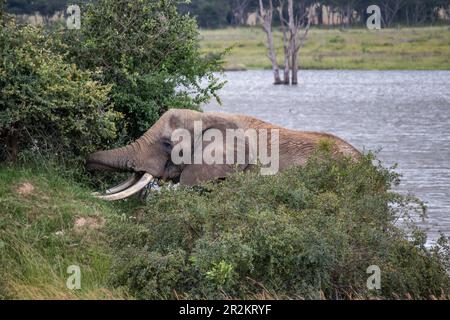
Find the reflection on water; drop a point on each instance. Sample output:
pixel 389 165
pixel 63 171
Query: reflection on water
pixel 406 113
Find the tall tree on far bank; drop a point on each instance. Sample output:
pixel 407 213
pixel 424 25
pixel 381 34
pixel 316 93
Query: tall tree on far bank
pixel 390 9
pixel 266 17
pixel 239 11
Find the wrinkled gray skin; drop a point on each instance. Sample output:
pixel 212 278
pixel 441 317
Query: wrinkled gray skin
pixel 152 152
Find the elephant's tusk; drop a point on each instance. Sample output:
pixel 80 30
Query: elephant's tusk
pixel 133 189
pixel 124 185
pixel 121 186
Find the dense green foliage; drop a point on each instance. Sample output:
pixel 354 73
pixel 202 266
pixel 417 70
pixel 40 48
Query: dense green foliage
pixel 149 53
pixel 305 233
pixel 72 91
pixel 46 103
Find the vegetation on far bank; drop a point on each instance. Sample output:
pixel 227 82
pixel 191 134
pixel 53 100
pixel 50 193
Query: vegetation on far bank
pixel 426 48
pixel 307 233
pixel 222 13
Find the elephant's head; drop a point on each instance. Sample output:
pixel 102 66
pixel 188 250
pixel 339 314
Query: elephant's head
pixel 150 156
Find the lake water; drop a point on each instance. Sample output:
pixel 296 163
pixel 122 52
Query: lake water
pixel 406 113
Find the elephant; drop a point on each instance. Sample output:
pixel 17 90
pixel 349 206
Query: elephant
pixel 152 155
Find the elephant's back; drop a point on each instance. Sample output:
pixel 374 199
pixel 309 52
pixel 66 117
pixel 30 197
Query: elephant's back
pixel 338 145
pixel 303 142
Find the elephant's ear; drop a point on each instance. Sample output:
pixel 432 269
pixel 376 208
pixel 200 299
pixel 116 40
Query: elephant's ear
pixel 213 126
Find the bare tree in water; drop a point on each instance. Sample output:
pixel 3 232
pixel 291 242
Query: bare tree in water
pixel 293 38
pixel 266 17
pixel 286 43
pixel 297 22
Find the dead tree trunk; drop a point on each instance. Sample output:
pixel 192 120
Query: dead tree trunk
pixel 266 17
pixel 286 45
pixel 293 40
pixel 296 42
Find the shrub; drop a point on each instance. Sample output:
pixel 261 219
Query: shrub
pixel 46 103
pixel 304 233
pixel 149 53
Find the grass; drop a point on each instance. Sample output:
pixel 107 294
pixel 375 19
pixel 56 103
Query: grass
pixel 42 234
pixel 426 48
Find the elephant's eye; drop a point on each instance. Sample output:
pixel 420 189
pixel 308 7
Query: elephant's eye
pixel 167 146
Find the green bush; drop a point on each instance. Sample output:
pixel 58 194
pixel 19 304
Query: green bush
pixel 47 104
pixel 305 233
pixel 149 53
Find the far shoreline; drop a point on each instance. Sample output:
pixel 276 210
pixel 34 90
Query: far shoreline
pixel 420 48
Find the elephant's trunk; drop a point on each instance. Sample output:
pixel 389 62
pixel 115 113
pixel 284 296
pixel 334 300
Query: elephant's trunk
pixel 116 159
pixel 125 159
